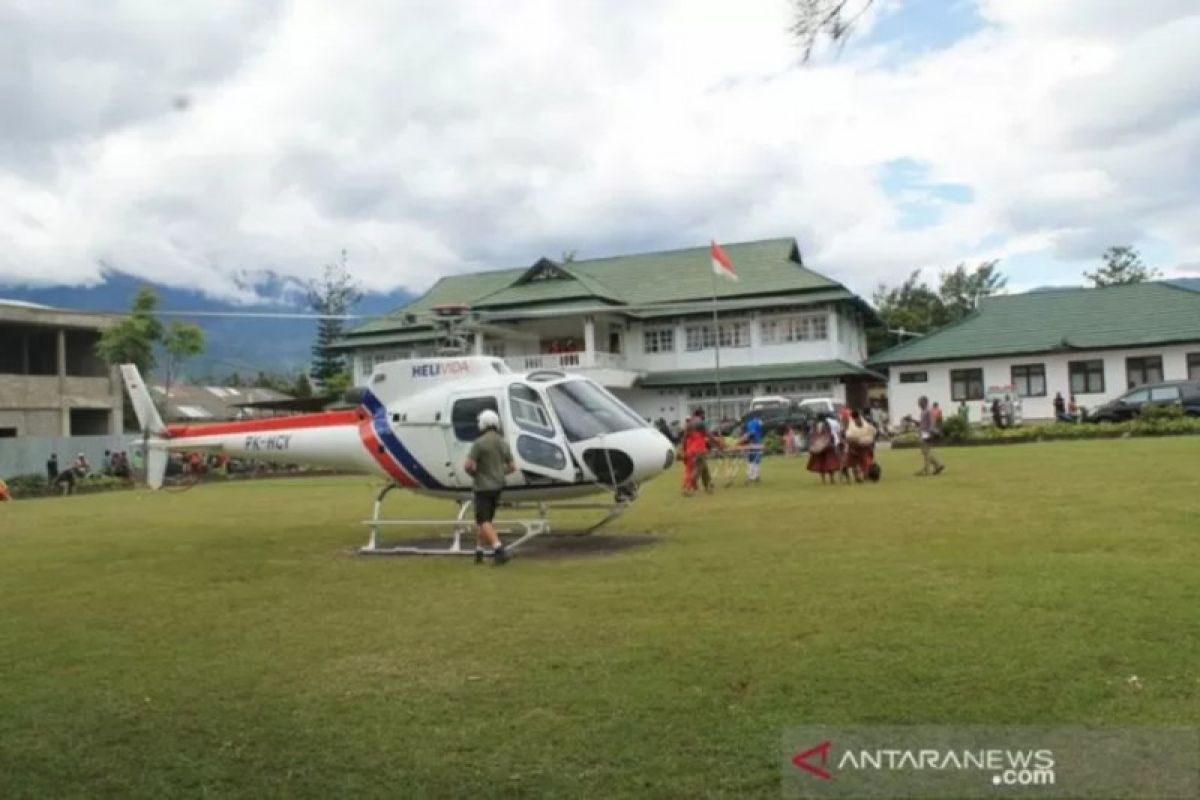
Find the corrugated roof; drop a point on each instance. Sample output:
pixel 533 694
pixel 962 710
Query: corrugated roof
pixel 768 372
pixel 1054 320
pixel 451 290
pixel 767 267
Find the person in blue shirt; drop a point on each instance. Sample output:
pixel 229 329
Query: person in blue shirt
pixel 752 435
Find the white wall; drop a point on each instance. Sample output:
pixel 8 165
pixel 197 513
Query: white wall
pixel 902 397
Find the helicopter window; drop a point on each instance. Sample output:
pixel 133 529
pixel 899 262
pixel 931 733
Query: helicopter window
pixel 464 416
pixel 585 410
pixel 540 452
pixel 528 410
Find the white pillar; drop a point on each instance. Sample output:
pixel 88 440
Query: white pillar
pixel 478 343
pixel 589 340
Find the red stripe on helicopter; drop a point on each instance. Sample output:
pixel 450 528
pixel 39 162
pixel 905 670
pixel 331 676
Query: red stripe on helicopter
pixel 325 419
pixel 370 440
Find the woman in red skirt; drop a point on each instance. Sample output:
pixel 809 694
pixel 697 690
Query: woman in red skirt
pixel 860 442
pixel 823 456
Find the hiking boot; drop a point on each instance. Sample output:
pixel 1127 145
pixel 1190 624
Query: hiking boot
pixel 939 469
pixel 478 556
pixel 500 556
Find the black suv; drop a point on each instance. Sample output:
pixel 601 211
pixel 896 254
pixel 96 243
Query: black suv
pixel 1168 393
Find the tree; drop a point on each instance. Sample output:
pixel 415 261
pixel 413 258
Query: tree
pixel 814 20
pixel 338 384
pixel 332 297
pixel 181 341
pixel 914 307
pixel 1122 265
pixel 961 291
pixel 132 340
pixel 301 387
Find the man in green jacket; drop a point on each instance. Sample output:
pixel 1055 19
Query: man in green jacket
pixel 489 462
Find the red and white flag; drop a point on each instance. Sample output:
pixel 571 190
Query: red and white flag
pixel 721 263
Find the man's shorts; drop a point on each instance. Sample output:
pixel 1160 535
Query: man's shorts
pixel 485 506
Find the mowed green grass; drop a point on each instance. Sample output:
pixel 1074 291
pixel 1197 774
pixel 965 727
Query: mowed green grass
pixel 223 642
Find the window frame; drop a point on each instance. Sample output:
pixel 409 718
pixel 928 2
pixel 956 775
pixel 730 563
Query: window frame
pixel 1030 371
pixel 970 373
pixel 911 376
pixel 1085 368
pixel 658 340
pixel 1193 366
pixel 459 427
pixel 1142 365
pixel 525 423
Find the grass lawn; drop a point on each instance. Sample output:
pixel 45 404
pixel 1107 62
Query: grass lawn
pixel 222 642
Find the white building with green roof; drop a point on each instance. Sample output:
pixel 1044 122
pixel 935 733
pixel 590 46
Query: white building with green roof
pixel 1094 344
pixel 642 325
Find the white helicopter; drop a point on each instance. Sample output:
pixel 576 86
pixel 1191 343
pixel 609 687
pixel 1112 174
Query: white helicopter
pixel 413 425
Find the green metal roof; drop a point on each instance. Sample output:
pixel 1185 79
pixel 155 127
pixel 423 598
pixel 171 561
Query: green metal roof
pixel 1058 320
pixel 770 372
pixel 409 335
pixel 451 290
pixel 765 268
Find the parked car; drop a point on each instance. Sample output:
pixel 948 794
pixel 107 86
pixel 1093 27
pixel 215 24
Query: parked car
pixel 796 414
pixel 1168 393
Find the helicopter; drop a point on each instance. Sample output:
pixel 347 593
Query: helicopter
pixel 413 424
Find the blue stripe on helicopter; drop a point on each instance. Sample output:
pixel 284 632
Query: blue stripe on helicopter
pixel 379 421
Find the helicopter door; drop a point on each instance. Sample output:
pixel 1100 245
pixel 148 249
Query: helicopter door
pixel 538 445
pixel 463 431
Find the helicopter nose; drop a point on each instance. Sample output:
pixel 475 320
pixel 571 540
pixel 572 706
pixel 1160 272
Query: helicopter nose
pixel 636 455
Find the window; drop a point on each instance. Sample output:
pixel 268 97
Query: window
pixel 1087 377
pixel 794 328
pixel 1139 397
pixel 966 384
pixel 494 349
pixel 700 337
pixel 464 416
pixel 733 334
pixel 1142 370
pixel 585 411
pixel 1193 362
pixel 914 377
pixel 1164 394
pixel 540 453
pixel 658 340
pixel 1030 379
pixel 528 411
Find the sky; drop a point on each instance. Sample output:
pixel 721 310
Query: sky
pixel 223 146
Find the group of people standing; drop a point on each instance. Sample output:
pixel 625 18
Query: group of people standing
pixel 843 445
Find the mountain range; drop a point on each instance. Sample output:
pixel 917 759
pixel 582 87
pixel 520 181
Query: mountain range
pixel 244 345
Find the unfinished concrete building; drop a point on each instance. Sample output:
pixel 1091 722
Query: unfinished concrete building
pixel 52 383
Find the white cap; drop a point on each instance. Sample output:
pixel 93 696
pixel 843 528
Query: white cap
pixel 489 419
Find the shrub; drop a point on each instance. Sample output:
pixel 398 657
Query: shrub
pixel 1160 413
pixel 29 485
pixel 955 429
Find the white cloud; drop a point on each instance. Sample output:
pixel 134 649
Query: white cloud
pixel 430 137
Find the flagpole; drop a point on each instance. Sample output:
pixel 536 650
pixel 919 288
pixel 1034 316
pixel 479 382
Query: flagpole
pixel 717 351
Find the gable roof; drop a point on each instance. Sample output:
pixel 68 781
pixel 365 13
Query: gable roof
pixel 767 267
pixel 1053 320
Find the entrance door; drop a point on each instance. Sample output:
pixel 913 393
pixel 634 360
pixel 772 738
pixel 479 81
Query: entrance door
pixel 463 431
pixel 539 447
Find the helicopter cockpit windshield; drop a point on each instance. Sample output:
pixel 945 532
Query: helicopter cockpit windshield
pixel 585 410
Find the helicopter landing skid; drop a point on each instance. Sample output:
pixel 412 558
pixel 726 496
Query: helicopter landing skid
pixel 524 530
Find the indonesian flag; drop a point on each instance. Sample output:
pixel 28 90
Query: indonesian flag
pixel 721 263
